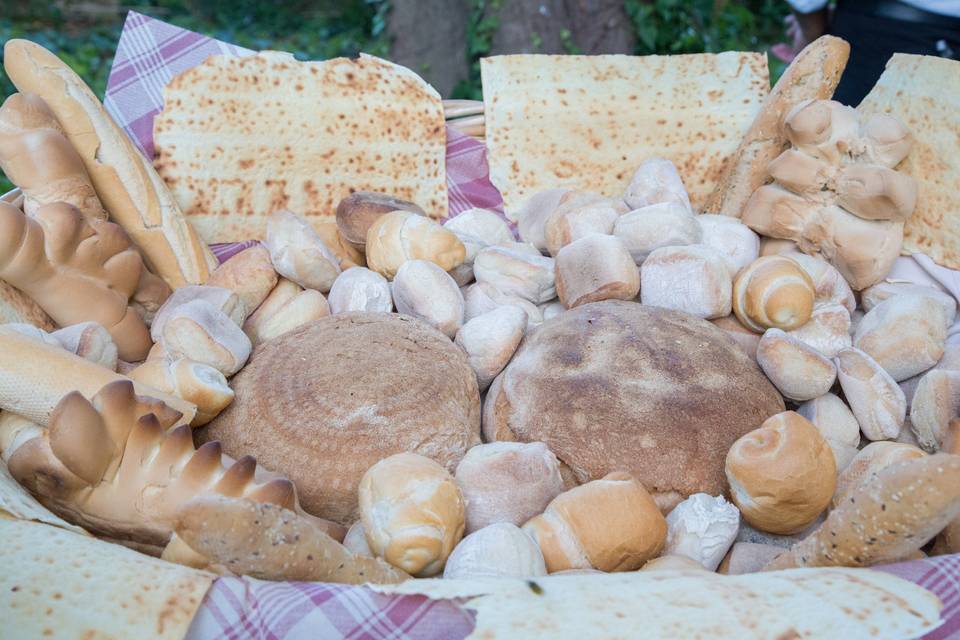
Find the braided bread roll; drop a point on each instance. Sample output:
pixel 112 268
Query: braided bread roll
pixel 773 292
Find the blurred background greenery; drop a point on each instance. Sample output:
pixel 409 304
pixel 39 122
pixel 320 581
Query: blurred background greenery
pixel 441 39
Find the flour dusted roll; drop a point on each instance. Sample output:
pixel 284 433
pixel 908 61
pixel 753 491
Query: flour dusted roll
pixel 730 237
pixel 423 290
pixel 702 528
pixel 516 272
pixel 199 331
pixel 412 513
pixel 905 334
pixel 935 403
pixel 827 331
pixel 249 274
pixel 694 279
pixel 287 307
pixel 491 339
pixel 868 462
pixel 875 398
pixel 298 253
pixel 773 292
pixel 656 181
pixel 882 291
pixel 594 268
pixel 798 371
pixel 666 224
pixel 837 425
pixel 360 289
pixel 399 236
pixel 745 338
pixel 782 475
pixel 499 550
pixel 567 225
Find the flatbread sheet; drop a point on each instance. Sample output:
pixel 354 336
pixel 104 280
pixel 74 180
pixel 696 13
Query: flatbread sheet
pixel 57 584
pixel 241 137
pixel 587 122
pixel 801 603
pixel 924 92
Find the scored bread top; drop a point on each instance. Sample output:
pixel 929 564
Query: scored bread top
pixel 241 137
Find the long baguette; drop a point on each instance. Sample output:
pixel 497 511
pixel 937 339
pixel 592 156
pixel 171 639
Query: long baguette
pixel 813 74
pixel 126 182
pixel 35 376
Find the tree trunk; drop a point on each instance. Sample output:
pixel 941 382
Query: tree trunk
pixel 429 36
pixel 562 26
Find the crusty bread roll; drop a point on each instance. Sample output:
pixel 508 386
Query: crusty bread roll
pixel 702 528
pixel 905 334
pixel 746 339
pixel 666 224
pixel 200 332
pixel 399 236
pixel 477 229
pixel 935 403
pixel 733 239
pixel 516 272
pixel 357 212
pixel 360 289
pixel 654 182
pixel 874 397
pixel 195 382
pixel 567 225
pixel 797 370
pixel 220 298
pixel 694 279
pixel 595 268
pixel 748 557
pixel 773 292
pixel 868 462
pixel 827 330
pixel 507 482
pixel 287 307
pixel 90 341
pixel 882 291
pixel 776 246
pixel 347 254
pixel 531 217
pixel 412 513
pixel 249 274
pixel 490 340
pixel 828 285
pixel 814 73
pixel 782 475
pixel 479 298
pixel 298 253
pixel 611 524
pixel 325 402
pixel 500 550
pixel 126 182
pixel 886 519
pixel 425 291
pixel 837 425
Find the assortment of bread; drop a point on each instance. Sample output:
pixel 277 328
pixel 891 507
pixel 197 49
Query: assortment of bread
pixel 627 382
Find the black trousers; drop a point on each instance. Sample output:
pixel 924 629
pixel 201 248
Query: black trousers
pixel 873 39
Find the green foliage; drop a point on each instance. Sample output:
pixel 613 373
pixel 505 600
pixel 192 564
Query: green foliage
pixel 481 27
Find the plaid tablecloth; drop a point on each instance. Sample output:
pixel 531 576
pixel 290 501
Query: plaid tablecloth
pixel 149 54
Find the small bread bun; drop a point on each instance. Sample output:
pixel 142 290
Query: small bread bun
pixel 796 369
pixel 500 550
pixel 773 292
pixel 399 236
pixel 782 475
pixel 875 398
pixel 357 212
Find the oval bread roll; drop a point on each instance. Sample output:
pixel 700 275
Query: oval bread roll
pixel 797 370
pixel 773 292
pixel 667 224
pixel 837 425
pixel 694 279
pixel 423 290
pixel 399 236
pixel 935 402
pixel 905 334
pixel 730 237
pixel 594 268
pixel 827 331
pixel 500 550
pixel 656 180
pixel 868 462
pixel 875 398
pixel 566 225
pixel 360 289
pixel 298 253
pixel 357 212
pixel 490 340
pixel 515 271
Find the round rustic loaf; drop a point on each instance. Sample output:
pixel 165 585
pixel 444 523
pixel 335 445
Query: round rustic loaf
pixel 620 386
pixel 323 403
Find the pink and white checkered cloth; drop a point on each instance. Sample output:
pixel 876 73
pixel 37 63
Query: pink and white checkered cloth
pixel 149 54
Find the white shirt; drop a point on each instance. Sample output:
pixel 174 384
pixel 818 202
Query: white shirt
pixel 941 7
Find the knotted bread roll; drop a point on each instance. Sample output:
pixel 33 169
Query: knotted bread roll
pixel 773 292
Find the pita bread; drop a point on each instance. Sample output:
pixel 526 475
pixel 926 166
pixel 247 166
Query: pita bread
pixel 242 137
pixel 924 92
pixel 587 122
pixel 17 502
pixel 807 603
pixel 57 584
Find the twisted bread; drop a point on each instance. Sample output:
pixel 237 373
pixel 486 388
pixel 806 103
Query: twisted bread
pixel 76 270
pixel 773 292
pixel 111 465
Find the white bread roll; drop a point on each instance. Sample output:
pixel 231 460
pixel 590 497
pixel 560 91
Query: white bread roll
pixel 796 369
pixel 773 292
pixel 500 550
pixel 360 289
pixel 32 332
pixel 782 474
pixel 220 298
pixel 733 239
pixel 249 274
pixel 837 425
pixel 828 284
pixel 874 397
pixel 516 272
pixel 412 513
pixel 399 236
pixel 611 524
pixel 551 309
pixel 423 290
pixel 673 563
pixel 745 338
pixel 667 224
pixel 479 298
pixel 298 253
pixel 656 181
pixel 567 225
pixel 748 557
pixel 287 307
pixel 358 211
pixel 90 341
pixel 490 340
pixel 593 268
pixel 827 330
pixel 949 362
pixel 531 217
pixel 476 229
pixel 905 334
pixel 201 332
pixel 702 528
pixel 882 291
pixel 776 246
pixel 507 482
pixel 356 540
pixel 935 402
pixel 195 382
pixel 868 462
pixel 694 279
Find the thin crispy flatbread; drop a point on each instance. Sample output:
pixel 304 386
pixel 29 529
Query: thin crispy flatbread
pixel 241 137
pixel 587 122
pixel 924 92
pixel 57 584
pixel 802 603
